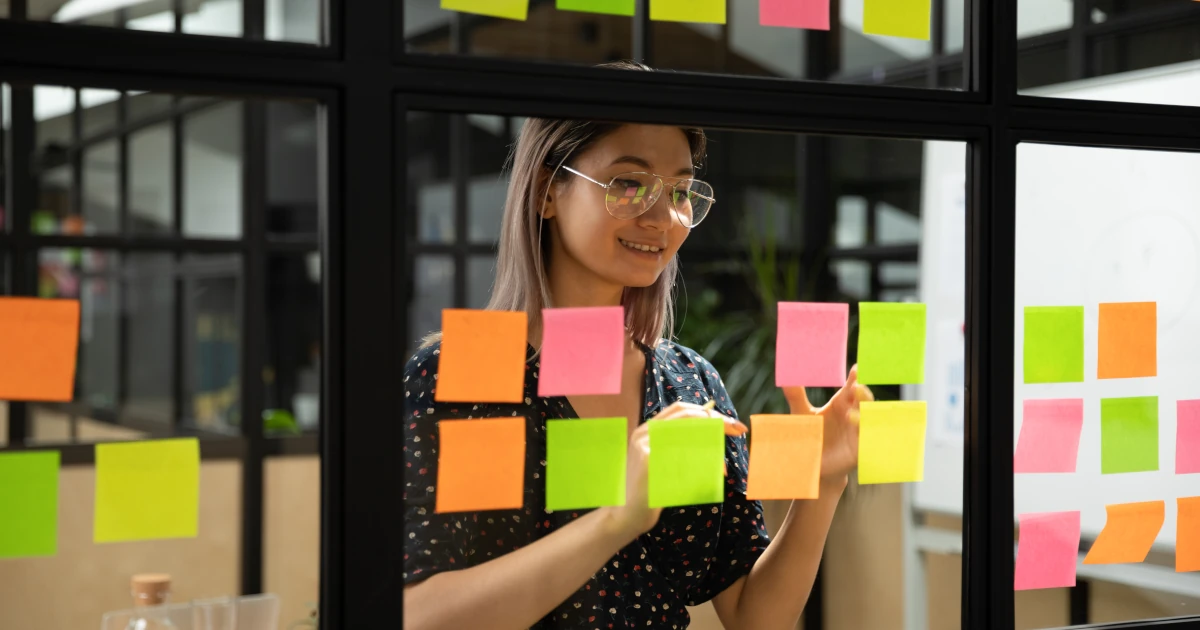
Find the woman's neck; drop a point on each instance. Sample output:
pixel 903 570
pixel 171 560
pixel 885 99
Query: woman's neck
pixel 572 286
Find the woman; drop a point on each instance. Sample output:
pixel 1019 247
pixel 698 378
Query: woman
pixel 588 223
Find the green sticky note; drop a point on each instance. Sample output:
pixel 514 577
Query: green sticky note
pixel 147 490
pixel 585 463
pixel 29 504
pixel 610 7
pixel 891 343
pixel 891 442
pixel 511 9
pixel 709 11
pixel 687 461
pixel 1128 435
pixel 898 18
pixel 1053 344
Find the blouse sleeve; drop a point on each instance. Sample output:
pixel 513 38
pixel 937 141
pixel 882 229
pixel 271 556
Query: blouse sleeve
pixel 743 536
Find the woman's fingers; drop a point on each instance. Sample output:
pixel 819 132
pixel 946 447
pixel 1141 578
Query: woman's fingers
pixel 688 410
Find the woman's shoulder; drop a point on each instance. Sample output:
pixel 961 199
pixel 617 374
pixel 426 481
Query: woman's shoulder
pixel 677 357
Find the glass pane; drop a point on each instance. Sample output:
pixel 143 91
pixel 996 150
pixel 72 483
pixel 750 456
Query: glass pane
pixel 481 273
pixel 53 109
pixel 212 342
pixel 214 17
pixel 1138 52
pixel 1124 243
pixel 292 178
pixel 99 111
pixel 149 338
pixel 295 21
pixel 292 378
pixel 142 105
pixel 5 125
pixel 434 282
pixel 151 185
pixel 431 184
pixel 101 175
pixel 212 172
pixel 292 537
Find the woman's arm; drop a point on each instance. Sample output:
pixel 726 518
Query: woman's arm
pixel 518 588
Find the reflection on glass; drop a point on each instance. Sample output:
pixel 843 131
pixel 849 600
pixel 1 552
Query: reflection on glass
pixel 151 187
pixel 853 278
pixel 481 272
pixel 434 282
pixel 99 111
pixel 851 227
pixel 4 126
pixel 292 163
pixel 876 55
pixel 214 17
pixel 292 399
pixel 101 173
pixel 149 330
pixel 141 105
pixel 431 188
pixel 212 172
pixel 212 342
pixel 295 21
pixel 895 226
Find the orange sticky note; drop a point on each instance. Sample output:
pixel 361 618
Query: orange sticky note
pixel 1128 533
pixel 482 357
pixel 1128 340
pixel 1187 535
pixel 785 457
pixel 39 340
pixel 481 464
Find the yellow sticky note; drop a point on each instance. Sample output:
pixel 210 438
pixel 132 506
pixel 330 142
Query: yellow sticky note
pixel 147 490
pixel 897 18
pixel 706 11
pixel 891 442
pixel 511 9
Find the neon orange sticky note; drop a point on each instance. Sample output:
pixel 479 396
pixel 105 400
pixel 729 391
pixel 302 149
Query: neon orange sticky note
pixel 1128 340
pixel 482 357
pixel 39 340
pixel 481 464
pixel 1128 534
pixel 785 457
pixel 1187 534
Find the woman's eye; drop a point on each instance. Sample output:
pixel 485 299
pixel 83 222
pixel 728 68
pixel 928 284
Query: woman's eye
pixel 629 183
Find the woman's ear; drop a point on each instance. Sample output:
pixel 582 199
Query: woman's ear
pixel 546 188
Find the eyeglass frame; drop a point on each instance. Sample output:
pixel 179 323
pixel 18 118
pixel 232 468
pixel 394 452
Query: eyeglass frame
pixel 712 201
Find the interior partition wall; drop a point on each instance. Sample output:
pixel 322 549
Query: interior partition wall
pixel 366 83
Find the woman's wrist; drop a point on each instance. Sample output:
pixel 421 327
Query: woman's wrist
pixel 835 484
pixel 614 529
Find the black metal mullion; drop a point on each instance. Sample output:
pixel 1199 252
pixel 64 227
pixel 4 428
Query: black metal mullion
pixel 937 42
pixel 642 40
pixel 1080 604
pixel 177 8
pixel 21 195
pixel 1077 63
pixel 254 19
pixel 18 10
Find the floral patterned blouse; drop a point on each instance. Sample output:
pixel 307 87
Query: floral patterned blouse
pixel 689 557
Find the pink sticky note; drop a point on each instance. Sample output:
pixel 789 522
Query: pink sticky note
pixel 582 349
pixel 1187 438
pixel 1049 439
pixel 810 349
pixel 1048 550
pixel 810 14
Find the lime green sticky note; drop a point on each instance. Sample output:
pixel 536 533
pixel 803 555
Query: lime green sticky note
pixel 687 461
pixel 1128 435
pixel 610 7
pixel 709 11
pixel 891 442
pixel 898 18
pixel 1053 344
pixel 891 343
pixel 585 463
pixel 147 490
pixel 511 9
pixel 29 504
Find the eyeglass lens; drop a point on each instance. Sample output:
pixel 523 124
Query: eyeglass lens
pixel 631 194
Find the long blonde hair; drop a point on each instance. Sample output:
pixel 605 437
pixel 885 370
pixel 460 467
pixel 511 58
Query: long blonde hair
pixel 521 283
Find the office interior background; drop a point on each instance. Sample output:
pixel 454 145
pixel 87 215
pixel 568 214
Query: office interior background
pixel 262 205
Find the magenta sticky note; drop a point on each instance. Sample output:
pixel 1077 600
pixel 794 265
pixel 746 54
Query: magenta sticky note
pixel 1047 550
pixel 1049 439
pixel 810 14
pixel 1187 437
pixel 582 351
pixel 810 348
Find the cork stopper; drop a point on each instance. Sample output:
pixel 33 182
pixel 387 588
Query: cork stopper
pixel 150 589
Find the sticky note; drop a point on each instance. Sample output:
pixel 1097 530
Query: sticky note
pixel 582 351
pixel 898 18
pixel 29 504
pixel 1128 345
pixel 610 7
pixel 891 343
pixel 687 461
pixel 1047 550
pixel 147 490
pixel 891 442
pixel 481 464
pixel 785 457
pixel 1187 534
pixel 1049 439
pixel 482 357
pixel 1128 533
pixel 810 347
pixel 39 340
pixel 585 463
pixel 1187 437
pixel 511 9
pixel 708 11
pixel 810 14
pixel 1128 434
pixel 1054 344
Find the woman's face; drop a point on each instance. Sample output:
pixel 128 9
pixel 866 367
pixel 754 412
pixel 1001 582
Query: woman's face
pixel 583 232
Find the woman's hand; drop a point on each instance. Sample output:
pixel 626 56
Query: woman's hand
pixel 636 517
pixel 840 453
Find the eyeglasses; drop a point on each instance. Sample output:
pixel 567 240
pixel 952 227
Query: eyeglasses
pixel 630 195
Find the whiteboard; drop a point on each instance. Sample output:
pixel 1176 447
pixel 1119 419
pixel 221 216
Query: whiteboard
pixel 1093 225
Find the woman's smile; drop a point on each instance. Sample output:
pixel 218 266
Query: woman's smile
pixel 643 251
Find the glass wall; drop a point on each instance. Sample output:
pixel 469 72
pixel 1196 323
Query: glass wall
pixel 301 21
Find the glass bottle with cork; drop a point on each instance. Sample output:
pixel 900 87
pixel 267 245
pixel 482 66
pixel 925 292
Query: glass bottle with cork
pixel 150 592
